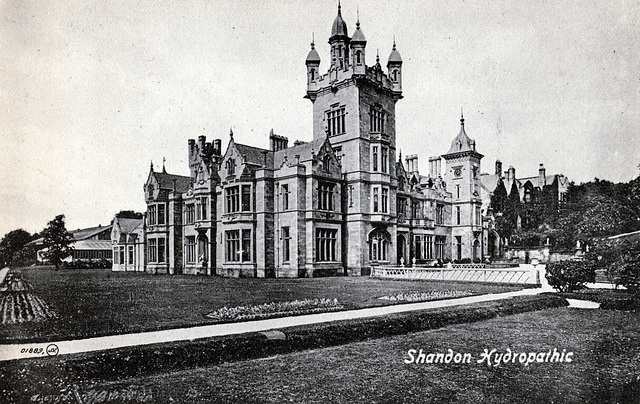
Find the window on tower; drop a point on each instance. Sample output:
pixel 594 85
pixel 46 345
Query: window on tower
pixel 376 119
pixel 336 121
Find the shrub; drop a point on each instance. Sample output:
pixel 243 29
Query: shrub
pixel 567 276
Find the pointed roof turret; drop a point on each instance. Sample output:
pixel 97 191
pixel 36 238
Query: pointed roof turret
pixel 358 36
pixel 339 27
pixel 313 56
pixel 394 57
pixel 462 143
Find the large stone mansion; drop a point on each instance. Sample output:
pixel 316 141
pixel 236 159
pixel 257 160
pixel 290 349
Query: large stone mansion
pixel 336 205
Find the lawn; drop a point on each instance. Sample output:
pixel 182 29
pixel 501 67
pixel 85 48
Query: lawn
pixel 605 367
pixel 99 302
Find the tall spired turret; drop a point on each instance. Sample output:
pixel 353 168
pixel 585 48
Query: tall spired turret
pixel 354 106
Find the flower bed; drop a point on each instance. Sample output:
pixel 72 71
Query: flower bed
pixel 275 309
pixel 426 296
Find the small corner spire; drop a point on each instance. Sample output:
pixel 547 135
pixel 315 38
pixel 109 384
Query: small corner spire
pixel 164 170
pixel 400 156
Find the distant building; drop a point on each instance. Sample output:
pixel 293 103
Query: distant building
pixel 127 239
pixel 91 244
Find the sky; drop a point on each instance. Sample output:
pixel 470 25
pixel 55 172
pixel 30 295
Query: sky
pixel 92 92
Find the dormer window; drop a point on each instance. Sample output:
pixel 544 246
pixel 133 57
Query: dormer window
pixel 231 166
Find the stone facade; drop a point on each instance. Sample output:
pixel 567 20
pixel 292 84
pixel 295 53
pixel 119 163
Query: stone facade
pixel 336 205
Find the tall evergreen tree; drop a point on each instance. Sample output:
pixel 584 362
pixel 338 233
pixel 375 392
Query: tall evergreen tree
pixel 57 239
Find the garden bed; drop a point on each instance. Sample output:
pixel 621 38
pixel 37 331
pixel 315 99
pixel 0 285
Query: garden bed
pixel 64 371
pixel 95 302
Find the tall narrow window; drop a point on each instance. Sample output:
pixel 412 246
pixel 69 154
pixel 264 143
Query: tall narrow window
pixel 375 199
pixel 376 119
pixel 161 213
pixel 286 238
pixel 440 247
pixel 439 214
pixel 385 200
pixel 478 216
pixel 232 199
pixel 246 245
pixel 458 215
pixel 458 191
pixel 152 215
pixel 130 255
pixel 246 198
pixel 285 196
pixel 161 250
pixel 383 159
pixel 190 249
pixel 325 196
pixel 231 166
pixel 459 247
pixel 153 250
pixel 232 245
pixel 374 158
pixel 189 213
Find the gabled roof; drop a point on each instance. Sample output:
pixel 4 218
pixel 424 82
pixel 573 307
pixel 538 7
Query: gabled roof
pixel 165 181
pixel 254 155
pixel 128 225
pixel 489 181
pixel 89 232
pixel 303 150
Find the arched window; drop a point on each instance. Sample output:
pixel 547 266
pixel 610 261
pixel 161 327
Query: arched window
pixel 313 74
pixel 358 55
pixel 378 245
pixel 395 75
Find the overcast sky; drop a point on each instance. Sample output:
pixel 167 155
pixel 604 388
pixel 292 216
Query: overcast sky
pixel 91 92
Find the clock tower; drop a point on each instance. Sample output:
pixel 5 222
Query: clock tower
pixel 462 178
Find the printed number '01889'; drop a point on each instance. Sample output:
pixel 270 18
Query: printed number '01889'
pixel 32 351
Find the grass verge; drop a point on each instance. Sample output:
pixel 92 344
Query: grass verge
pixel 96 302
pixel 64 372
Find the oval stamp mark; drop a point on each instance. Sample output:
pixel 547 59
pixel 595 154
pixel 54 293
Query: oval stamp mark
pixel 52 350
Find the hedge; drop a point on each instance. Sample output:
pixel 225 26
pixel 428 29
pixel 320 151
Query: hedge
pixel 151 359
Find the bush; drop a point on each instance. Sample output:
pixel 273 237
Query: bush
pixel 567 276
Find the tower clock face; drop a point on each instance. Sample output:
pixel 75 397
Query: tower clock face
pixel 457 172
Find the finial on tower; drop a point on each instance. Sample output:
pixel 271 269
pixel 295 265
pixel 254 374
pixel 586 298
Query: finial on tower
pixel 339 7
pixel 231 132
pixel 313 40
pixel 164 170
pixel 394 42
pixel 400 156
pixel 151 168
pixel 358 16
pixel 461 117
pixel 377 55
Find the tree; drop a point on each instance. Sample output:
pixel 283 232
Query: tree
pixel 128 214
pixel 11 244
pixel 57 241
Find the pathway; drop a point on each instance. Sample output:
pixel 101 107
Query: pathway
pixel 15 351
